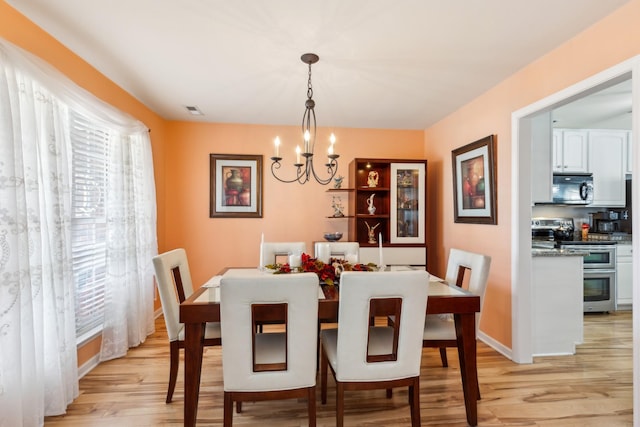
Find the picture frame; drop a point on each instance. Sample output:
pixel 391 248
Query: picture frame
pixel 235 186
pixel 474 182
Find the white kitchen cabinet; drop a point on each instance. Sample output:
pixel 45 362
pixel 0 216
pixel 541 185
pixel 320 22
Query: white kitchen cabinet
pixel 606 162
pixel 557 308
pixel 570 150
pixel 624 277
pixel 541 158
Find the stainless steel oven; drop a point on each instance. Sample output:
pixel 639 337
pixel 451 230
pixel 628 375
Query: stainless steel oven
pixel 599 275
pixel 599 290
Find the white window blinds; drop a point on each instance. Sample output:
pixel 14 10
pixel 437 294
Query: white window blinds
pixel 88 225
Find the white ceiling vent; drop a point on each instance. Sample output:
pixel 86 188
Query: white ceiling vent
pixel 193 110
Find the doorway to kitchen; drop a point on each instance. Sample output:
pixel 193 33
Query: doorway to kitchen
pixel 522 139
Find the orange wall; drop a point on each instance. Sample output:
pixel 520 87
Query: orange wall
pixel 290 212
pixel 610 41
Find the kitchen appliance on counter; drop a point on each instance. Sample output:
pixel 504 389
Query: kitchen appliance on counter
pixel 609 221
pixel 572 189
pixel 545 232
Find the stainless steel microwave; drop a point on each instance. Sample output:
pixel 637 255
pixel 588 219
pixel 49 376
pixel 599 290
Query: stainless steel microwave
pixel 572 188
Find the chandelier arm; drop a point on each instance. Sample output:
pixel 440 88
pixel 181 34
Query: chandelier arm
pixel 275 165
pixel 330 170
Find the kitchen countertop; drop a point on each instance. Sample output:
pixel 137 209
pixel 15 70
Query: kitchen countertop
pixel 551 252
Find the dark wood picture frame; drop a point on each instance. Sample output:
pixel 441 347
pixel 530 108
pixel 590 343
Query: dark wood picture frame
pixel 474 182
pixel 236 186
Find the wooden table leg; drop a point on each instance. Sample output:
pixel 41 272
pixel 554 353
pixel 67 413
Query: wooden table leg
pixel 466 337
pixel 193 345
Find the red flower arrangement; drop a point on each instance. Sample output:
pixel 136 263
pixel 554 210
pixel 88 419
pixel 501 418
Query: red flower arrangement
pixel 327 273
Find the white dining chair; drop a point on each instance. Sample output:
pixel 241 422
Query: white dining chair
pixel 349 251
pixel 173 278
pixel 279 364
pixel 270 252
pixel 364 356
pixel 465 269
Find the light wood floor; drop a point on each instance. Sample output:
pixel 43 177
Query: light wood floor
pixel 592 388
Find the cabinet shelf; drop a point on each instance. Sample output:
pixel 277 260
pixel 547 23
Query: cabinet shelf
pixel 373 189
pixel 339 190
pixel 365 216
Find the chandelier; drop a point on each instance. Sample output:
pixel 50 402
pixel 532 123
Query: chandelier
pixel 304 159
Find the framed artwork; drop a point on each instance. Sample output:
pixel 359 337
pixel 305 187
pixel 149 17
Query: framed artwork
pixel 474 182
pixel 236 186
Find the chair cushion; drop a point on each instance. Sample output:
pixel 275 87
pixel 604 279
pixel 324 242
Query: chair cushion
pixel 271 348
pixel 380 342
pixel 212 330
pixel 437 328
pixel 329 340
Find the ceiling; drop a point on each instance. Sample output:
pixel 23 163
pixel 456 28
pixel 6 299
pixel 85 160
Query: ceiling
pixel 609 108
pixel 402 64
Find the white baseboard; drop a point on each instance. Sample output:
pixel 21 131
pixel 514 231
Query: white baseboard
pixel 95 360
pixel 497 346
pixel 88 366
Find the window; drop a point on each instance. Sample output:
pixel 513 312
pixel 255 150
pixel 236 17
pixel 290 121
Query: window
pixel 90 143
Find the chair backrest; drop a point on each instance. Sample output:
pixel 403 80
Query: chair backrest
pixel 407 293
pixel 174 286
pixel 477 265
pixel 239 297
pixel 349 251
pixel 270 250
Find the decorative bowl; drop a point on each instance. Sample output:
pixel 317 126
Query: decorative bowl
pixel 333 237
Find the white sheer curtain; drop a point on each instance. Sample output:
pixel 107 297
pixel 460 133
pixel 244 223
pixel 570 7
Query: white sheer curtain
pixel 131 244
pixel 38 364
pixel 37 328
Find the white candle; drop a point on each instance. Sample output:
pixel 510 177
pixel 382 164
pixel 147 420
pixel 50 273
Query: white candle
pixel 294 260
pixel 380 250
pixel 307 137
pixel 324 252
pixel 276 142
pixel 297 154
pixel 261 265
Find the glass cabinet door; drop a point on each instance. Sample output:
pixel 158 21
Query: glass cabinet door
pixel 407 203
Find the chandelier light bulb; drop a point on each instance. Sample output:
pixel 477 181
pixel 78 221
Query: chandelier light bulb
pixel 276 142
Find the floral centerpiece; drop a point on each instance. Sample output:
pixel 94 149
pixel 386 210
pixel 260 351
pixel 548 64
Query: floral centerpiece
pixel 328 273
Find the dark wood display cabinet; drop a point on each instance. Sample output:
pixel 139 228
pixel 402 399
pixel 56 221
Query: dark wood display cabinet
pixel 389 201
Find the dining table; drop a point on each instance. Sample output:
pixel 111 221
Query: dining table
pixel 204 306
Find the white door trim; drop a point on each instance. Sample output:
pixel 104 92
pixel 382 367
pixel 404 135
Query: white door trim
pixel 521 211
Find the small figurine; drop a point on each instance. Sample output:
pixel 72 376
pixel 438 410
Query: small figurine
pixel 336 204
pixel 370 232
pixel 372 179
pixel 338 182
pixel 371 208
